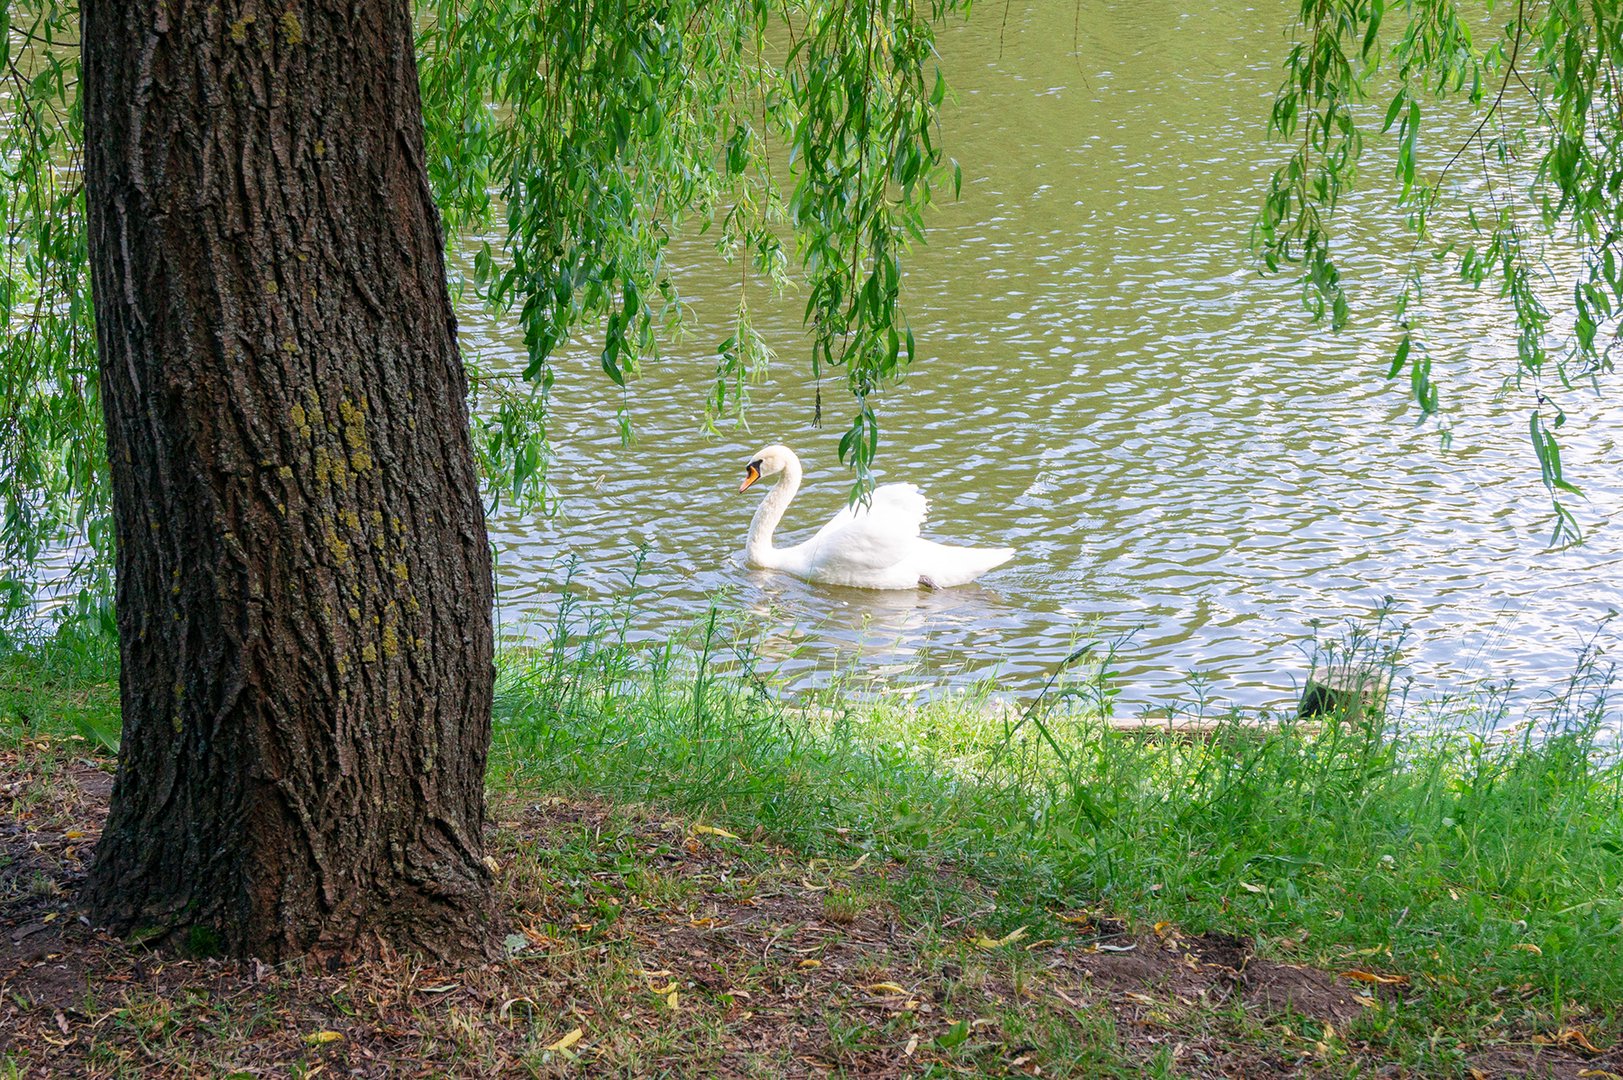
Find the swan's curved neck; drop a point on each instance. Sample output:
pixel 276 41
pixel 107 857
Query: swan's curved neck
pixel 758 550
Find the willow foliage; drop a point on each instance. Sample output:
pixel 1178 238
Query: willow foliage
pixel 583 136
pixel 53 464
pixel 797 133
pixel 1537 176
pixel 800 134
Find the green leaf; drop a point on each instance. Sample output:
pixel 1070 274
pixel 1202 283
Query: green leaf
pixel 1400 357
pixel 1377 9
pixel 1393 109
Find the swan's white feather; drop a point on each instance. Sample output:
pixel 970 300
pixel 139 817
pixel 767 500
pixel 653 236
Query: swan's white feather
pixel 869 543
pixel 946 565
pixel 873 546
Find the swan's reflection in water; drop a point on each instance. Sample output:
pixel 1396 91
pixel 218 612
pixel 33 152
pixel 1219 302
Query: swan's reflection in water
pixel 912 637
pixel 800 635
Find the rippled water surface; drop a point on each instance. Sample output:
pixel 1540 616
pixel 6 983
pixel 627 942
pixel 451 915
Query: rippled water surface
pixel 1107 385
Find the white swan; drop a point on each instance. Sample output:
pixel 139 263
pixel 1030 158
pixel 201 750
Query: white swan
pixel 867 547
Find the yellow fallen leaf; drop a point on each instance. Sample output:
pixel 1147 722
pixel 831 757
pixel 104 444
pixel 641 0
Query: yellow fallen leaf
pixel 661 991
pixel 317 1038
pixel 1075 920
pixel 988 943
pixel 74 834
pixel 1366 1001
pixel 1600 1074
pixel 884 988
pixel 1528 946
pixel 711 830
pixel 1574 1037
pixel 662 973
pixel 1372 977
pixel 568 1040
pixel 670 999
pixel 811 963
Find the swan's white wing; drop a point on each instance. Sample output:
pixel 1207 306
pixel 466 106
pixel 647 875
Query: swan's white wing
pixel 862 539
pixel 903 502
pixel 900 508
pixel 946 565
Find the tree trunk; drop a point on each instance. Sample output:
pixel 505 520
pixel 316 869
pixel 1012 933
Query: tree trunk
pixel 304 580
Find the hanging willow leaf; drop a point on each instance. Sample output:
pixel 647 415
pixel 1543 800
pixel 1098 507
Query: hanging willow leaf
pixel 1528 191
pixel 589 134
pixel 695 107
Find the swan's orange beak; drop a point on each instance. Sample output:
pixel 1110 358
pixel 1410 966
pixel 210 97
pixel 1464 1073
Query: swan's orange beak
pixel 752 473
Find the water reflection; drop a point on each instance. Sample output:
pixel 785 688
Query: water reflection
pixel 1107 386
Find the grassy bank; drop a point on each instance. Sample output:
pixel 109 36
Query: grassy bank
pixel 1466 889
pixel 64 686
pixel 1486 868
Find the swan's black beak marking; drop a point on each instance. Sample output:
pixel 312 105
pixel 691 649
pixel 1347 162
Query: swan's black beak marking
pixel 752 473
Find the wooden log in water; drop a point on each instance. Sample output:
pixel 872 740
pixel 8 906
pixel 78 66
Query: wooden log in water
pixel 1178 727
pixel 1203 727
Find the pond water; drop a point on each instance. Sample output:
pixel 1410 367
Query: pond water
pixel 1105 383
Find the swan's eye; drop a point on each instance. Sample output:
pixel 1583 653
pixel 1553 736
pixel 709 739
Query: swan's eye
pixel 754 466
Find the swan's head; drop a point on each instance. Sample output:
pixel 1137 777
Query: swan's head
pixel 768 462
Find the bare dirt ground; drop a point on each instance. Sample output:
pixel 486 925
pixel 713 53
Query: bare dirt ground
pixel 642 945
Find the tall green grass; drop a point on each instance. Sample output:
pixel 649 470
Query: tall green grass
pixel 1454 842
pixel 1448 844
pixel 63 684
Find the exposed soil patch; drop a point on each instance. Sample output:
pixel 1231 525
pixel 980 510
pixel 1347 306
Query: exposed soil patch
pixel 647 945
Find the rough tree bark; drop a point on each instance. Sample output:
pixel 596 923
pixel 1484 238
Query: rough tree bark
pixel 304 580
